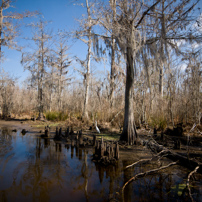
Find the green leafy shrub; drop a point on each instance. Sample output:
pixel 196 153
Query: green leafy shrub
pixel 159 123
pixel 56 116
pixel 162 124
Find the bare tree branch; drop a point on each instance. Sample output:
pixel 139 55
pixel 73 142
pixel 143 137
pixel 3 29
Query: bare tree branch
pixel 139 175
pixel 188 179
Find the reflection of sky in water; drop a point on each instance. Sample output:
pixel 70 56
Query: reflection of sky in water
pixel 36 169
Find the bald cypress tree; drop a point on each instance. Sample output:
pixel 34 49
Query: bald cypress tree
pixel 36 61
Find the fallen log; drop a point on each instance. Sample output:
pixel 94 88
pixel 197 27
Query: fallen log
pixel 161 152
pixel 183 160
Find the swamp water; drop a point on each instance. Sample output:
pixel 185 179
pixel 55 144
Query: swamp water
pixel 37 169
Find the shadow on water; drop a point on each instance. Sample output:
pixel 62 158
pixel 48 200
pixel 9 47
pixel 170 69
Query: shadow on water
pixel 41 169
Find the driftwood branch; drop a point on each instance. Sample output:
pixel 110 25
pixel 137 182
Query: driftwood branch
pixel 147 160
pixel 139 175
pixel 188 179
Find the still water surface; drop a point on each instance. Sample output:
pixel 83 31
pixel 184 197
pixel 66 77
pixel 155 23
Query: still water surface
pixel 37 169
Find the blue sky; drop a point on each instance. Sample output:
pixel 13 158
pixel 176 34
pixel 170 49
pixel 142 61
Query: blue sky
pixel 60 13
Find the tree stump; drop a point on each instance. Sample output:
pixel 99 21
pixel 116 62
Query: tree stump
pixel 80 154
pixel 80 138
pixel 23 131
pixel 77 151
pixel 94 140
pixel 72 151
pixel 72 131
pixel 116 156
pixel 46 131
pixel 67 132
pixel 97 149
pixel 108 150
pixel 60 132
pixel 72 142
pixel 112 150
pixel 102 149
pixel 105 153
pixel 57 132
pixel 177 144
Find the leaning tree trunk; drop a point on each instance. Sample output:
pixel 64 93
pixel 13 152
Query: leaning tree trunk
pixel 129 133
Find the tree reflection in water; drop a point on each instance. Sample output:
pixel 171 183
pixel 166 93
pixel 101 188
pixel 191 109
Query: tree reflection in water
pixel 36 169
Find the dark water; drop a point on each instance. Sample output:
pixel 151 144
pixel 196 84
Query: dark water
pixel 36 169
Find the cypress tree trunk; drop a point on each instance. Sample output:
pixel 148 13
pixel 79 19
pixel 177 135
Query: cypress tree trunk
pixel 129 133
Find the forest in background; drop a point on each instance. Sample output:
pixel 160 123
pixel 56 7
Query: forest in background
pixel 154 51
